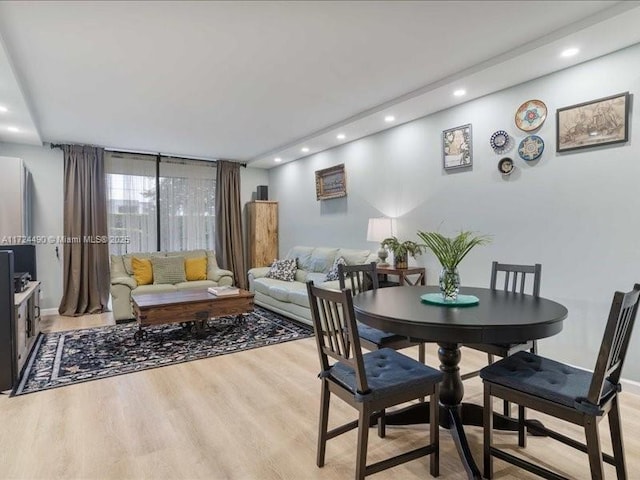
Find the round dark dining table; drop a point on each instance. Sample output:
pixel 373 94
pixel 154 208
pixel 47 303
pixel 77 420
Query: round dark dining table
pixel 499 317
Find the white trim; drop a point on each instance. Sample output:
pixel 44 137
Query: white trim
pixel 48 311
pixel 630 386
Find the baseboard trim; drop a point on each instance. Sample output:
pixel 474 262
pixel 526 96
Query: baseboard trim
pixel 630 386
pixel 48 311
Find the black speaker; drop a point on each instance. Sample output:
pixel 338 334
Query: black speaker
pixel 263 192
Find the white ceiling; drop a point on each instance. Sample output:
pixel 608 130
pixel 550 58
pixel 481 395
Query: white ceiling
pixel 252 81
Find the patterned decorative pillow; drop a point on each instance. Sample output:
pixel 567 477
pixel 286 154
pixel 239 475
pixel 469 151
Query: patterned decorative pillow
pixel 283 270
pixel 168 270
pixel 333 273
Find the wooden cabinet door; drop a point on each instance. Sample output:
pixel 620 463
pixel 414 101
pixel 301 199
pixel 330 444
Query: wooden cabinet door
pixel 263 232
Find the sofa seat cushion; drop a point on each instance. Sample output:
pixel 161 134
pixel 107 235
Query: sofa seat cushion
pixel 164 288
pixel 316 277
pixel 288 292
pixel 195 284
pixel 332 285
pixel 263 284
pixel 299 296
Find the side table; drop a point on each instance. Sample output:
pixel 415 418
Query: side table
pixel 403 275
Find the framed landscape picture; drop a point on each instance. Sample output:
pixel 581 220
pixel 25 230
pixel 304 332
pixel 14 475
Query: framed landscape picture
pixel 331 183
pixel 456 147
pixel 594 123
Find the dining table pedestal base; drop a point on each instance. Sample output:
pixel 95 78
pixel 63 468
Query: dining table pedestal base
pixel 454 414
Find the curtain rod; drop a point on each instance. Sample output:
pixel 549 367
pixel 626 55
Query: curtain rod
pixel 242 164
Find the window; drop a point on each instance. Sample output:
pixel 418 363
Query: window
pixel 186 201
pixel 187 204
pixel 131 202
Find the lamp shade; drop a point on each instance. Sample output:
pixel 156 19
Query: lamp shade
pixel 379 229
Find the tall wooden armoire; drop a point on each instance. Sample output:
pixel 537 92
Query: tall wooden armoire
pixel 262 217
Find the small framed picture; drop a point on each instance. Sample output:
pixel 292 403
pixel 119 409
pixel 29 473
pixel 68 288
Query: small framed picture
pixel 457 147
pixel 590 124
pixel 331 183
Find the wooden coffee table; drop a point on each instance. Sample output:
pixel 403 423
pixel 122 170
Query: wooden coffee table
pixel 194 307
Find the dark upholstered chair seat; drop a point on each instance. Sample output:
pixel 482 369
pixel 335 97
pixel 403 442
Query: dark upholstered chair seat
pixel 378 336
pixel 388 372
pixel 544 378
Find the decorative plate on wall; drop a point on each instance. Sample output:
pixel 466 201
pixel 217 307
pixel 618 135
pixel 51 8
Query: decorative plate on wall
pixel 505 166
pixel 500 141
pixel 531 148
pixel 531 115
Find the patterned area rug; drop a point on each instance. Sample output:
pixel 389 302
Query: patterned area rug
pixel 65 358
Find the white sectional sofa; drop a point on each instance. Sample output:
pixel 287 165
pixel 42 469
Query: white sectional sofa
pixel 290 298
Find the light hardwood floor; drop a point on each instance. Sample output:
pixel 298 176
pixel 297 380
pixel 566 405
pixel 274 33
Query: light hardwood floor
pixel 247 415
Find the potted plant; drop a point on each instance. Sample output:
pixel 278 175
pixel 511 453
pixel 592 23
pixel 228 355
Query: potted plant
pixel 450 252
pixel 402 250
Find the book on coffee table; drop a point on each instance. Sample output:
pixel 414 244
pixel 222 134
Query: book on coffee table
pixel 224 291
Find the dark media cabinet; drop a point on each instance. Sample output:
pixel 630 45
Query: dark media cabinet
pixel 19 323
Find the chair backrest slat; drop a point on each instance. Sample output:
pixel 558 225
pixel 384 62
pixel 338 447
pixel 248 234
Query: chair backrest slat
pixel 336 332
pixel 514 272
pixel 615 342
pixel 358 278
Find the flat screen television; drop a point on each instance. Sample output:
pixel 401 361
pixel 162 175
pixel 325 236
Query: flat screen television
pixel 24 259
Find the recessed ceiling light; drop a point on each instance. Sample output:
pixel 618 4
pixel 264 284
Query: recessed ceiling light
pixel 341 136
pixel 3 109
pixel 13 129
pixel 570 52
pixel 304 149
pixel 389 118
pixel 459 93
pixel 277 159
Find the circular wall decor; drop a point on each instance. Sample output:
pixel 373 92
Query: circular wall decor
pixel 505 166
pixel 500 141
pixel 531 148
pixel 531 115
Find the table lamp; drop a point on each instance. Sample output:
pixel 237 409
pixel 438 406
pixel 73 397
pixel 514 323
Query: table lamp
pixel 378 230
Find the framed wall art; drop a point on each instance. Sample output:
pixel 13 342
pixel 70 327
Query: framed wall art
pixel 456 147
pixel 598 122
pixel 331 183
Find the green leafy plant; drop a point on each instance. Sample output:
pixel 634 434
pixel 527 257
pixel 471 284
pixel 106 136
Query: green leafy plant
pixel 401 250
pixel 451 251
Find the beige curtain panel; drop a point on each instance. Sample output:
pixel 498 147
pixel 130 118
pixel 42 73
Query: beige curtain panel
pixel 229 246
pixel 86 255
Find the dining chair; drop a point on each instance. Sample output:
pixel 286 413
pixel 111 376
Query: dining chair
pixel 565 392
pixel 369 382
pixel 515 281
pixel 360 278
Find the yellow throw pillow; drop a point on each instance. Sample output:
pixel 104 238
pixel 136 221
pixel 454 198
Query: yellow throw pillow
pixel 142 270
pixel 195 268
